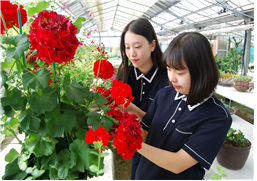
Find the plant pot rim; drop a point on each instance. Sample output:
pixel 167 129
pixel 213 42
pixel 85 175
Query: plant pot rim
pixel 229 146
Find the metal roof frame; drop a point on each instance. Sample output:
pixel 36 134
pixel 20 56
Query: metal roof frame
pixel 169 17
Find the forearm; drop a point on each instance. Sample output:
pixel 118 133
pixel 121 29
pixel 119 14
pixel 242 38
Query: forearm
pixel 139 113
pixel 175 162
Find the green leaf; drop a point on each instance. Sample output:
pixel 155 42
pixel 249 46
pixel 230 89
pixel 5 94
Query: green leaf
pixel 11 97
pixel 36 81
pixel 93 168
pixel 81 133
pixel 28 120
pixel 40 145
pixel 107 122
pixel 39 7
pixel 100 172
pixel 46 161
pixel 68 119
pixel 13 154
pixel 215 177
pixel 94 152
pixel 94 120
pixel 21 104
pixel 3 77
pixel 12 123
pixel 57 123
pixel 78 23
pixel 82 151
pixel 42 128
pixel 104 154
pixel 47 101
pixel 75 91
pixel 23 161
pixel 6 65
pixel 66 160
pixel 8 111
pixel 53 174
pixel 13 172
pixel 54 123
pixel 29 170
pixel 100 100
pixel 20 43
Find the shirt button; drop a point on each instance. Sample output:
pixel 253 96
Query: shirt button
pixel 143 83
pixel 179 108
pixel 173 121
pixel 143 92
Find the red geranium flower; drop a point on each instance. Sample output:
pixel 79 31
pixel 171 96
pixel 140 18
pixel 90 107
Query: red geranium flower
pixel 120 92
pixel 106 69
pixel 128 138
pixel 99 135
pixel 9 12
pixel 54 37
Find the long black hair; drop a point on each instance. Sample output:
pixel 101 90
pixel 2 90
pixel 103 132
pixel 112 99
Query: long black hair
pixel 194 49
pixel 144 28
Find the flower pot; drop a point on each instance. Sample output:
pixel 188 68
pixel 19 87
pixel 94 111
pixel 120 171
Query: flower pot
pixel 233 158
pixel 242 86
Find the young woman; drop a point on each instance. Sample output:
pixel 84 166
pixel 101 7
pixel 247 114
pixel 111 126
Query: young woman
pixel 186 125
pixel 142 68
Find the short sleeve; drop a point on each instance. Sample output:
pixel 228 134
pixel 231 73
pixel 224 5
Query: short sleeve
pixel 207 140
pixel 147 119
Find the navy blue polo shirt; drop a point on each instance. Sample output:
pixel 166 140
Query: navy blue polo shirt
pixel 145 86
pixel 200 130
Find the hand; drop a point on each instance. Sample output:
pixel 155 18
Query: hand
pixel 130 109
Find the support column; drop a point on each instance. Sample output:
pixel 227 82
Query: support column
pixel 247 51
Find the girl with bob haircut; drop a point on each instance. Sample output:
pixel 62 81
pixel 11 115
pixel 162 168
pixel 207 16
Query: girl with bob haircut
pixel 186 125
pixel 142 68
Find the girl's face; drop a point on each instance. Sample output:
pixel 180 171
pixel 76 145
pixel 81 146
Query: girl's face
pixel 180 79
pixel 138 50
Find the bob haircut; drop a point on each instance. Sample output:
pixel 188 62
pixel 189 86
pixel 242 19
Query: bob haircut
pixel 193 49
pixel 144 28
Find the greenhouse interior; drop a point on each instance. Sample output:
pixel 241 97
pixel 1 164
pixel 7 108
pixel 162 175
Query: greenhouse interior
pixel 67 113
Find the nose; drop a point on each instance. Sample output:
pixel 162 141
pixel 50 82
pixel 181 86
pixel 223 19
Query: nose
pixel 172 76
pixel 132 52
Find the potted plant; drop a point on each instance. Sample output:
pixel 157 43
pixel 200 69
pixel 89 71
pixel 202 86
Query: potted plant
pixel 226 79
pixel 231 62
pixel 43 97
pixel 242 83
pixel 235 150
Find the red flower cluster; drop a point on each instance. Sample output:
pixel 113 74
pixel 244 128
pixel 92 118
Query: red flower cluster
pixel 128 138
pixel 54 37
pixel 120 92
pixel 99 135
pixel 10 15
pixel 106 69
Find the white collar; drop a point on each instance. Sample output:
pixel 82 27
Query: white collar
pixel 143 76
pixel 184 98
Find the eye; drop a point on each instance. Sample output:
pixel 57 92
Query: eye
pixel 126 48
pixel 137 47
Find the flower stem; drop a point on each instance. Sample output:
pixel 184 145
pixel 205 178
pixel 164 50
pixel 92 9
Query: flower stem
pixel 11 130
pixel 113 102
pixel 4 23
pixel 31 55
pixel 99 158
pixel 98 74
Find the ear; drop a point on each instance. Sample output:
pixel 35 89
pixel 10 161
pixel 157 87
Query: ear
pixel 153 45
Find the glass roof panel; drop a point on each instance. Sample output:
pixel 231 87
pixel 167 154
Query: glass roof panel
pixel 168 17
